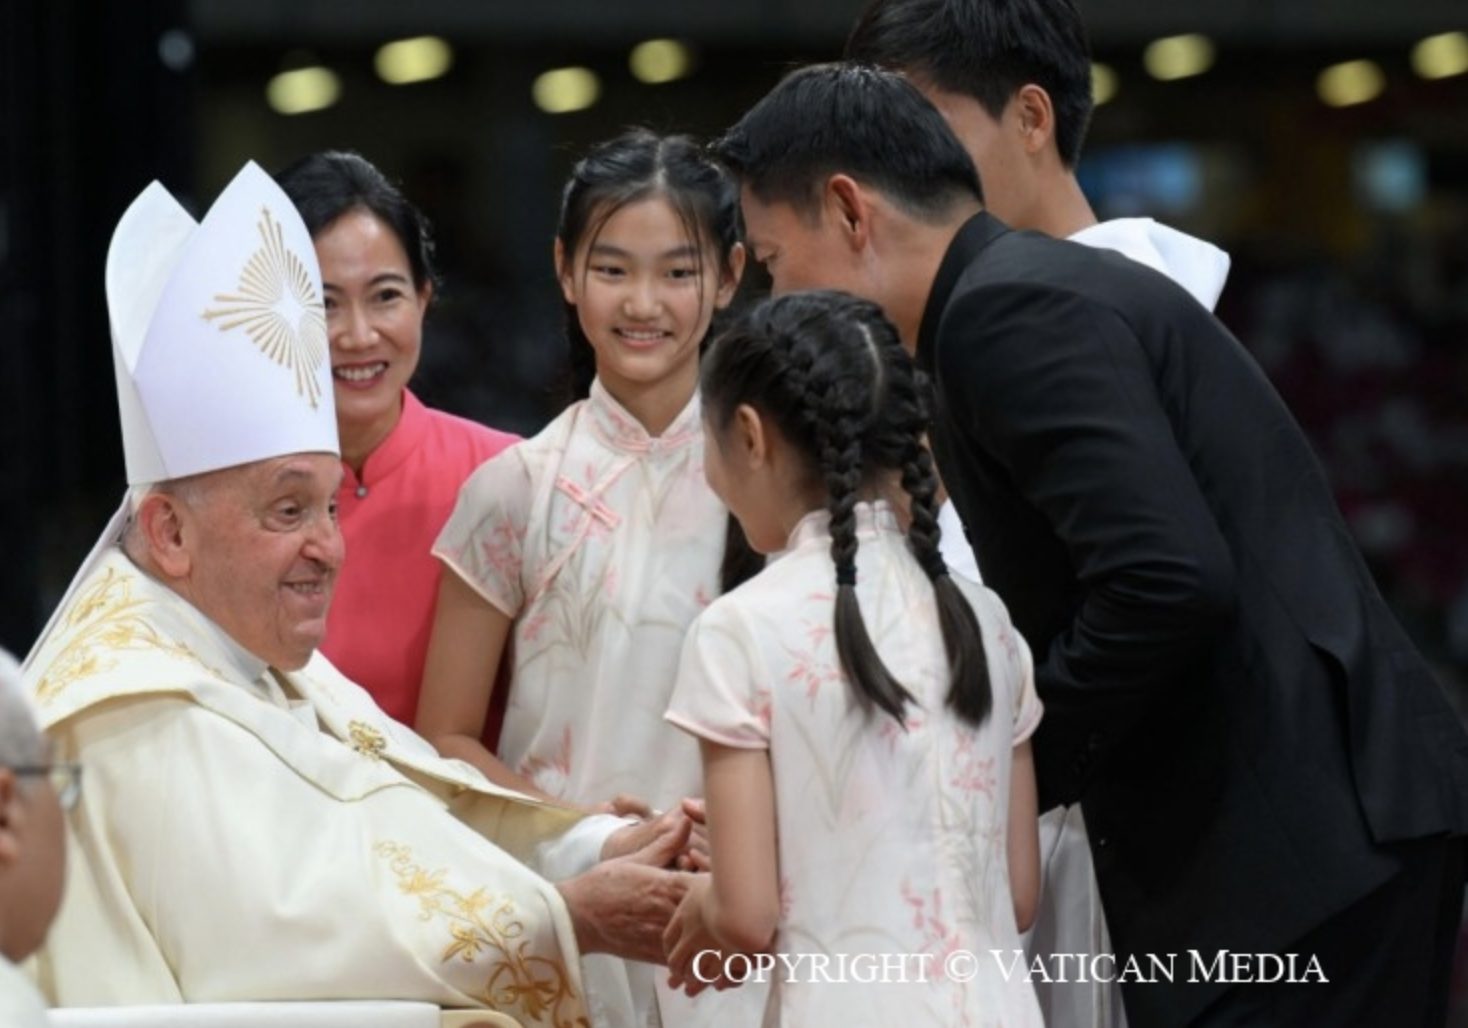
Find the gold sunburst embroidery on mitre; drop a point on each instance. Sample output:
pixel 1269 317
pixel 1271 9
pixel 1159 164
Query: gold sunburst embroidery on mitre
pixel 278 306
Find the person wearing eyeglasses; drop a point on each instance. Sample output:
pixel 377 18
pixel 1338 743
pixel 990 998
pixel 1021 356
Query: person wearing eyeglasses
pixel 33 794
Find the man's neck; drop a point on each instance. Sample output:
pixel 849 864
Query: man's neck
pixel 924 254
pixel 1061 209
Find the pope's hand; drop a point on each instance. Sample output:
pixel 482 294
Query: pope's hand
pixel 622 906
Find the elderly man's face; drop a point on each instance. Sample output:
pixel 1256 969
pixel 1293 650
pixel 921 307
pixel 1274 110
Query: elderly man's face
pixel 265 550
pixel 32 862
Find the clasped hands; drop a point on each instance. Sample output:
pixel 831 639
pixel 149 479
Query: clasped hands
pixel 623 905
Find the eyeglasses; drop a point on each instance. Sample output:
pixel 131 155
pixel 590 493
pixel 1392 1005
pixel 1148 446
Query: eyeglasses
pixel 66 780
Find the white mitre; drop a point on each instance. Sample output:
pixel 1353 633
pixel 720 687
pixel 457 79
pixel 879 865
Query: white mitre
pixel 218 338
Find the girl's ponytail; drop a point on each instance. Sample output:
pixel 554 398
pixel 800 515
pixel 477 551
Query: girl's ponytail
pixel 971 694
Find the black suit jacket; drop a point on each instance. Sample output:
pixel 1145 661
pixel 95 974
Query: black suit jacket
pixel 1242 719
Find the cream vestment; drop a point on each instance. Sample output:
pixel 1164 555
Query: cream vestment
pixel 249 834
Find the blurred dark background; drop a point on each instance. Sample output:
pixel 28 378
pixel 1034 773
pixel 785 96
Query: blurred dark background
pixel 1348 225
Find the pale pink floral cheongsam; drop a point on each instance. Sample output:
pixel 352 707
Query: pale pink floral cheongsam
pixel 890 841
pixel 603 543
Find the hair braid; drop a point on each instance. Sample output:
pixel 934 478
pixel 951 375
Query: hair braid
pixel 830 372
pixel 921 484
pixel 971 694
pixel 840 443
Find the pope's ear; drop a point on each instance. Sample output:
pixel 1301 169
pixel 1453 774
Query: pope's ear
pixel 161 524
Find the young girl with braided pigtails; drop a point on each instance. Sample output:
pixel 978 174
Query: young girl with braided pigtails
pixel 863 716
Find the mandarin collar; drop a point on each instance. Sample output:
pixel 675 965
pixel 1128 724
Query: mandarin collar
pixel 618 429
pixel 393 451
pixel 972 237
pixel 871 518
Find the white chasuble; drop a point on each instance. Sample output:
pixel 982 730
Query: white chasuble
pixel 247 834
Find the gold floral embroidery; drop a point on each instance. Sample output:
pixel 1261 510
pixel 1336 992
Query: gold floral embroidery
pixel 480 923
pixel 367 740
pixel 106 618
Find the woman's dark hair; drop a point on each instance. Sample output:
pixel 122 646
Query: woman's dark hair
pixel 622 171
pixel 328 184
pixel 829 371
pixel 632 167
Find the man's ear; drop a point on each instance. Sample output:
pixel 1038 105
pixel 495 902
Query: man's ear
pixel 564 271
pixel 1034 116
pixel 162 524
pixel 9 813
pixel 729 276
pixel 846 202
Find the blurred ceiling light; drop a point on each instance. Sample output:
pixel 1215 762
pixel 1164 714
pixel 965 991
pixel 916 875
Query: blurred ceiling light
pixel 1354 82
pixel 303 90
pixel 660 60
pixel 1438 57
pixel 1104 83
pixel 413 60
pixel 176 50
pixel 1178 57
pixel 562 90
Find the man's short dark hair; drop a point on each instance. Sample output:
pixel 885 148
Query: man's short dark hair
pixel 987 49
pixel 850 119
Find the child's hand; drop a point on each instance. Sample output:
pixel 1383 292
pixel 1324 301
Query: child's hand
pixel 696 857
pixel 686 938
pixel 625 805
pixel 661 841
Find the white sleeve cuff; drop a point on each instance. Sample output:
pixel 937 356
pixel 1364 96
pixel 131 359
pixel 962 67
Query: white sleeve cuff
pixel 578 848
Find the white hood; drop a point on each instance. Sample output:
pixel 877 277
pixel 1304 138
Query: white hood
pixel 1196 265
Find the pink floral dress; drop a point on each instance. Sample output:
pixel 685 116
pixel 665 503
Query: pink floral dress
pixel 891 841
pixel 603 543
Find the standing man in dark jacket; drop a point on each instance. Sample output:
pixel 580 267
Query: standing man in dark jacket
pixel 1265 763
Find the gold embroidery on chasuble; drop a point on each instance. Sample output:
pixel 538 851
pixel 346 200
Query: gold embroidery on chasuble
pixel 366 740
pixel 278 307
pixel 481 923
pixel 104 619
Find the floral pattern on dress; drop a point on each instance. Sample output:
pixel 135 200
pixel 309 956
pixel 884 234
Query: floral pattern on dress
pixel 891 837
pixel 551 773
pixel 619 541
pixel 972 772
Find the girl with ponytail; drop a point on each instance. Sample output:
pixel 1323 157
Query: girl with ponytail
pixel 863 716
pixel 576 560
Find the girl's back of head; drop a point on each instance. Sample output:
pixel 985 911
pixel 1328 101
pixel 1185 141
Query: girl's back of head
pixel 828 371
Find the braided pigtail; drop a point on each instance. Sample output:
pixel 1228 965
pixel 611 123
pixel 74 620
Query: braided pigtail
pixel 971 694
pixel 840 454
pixel 829 371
